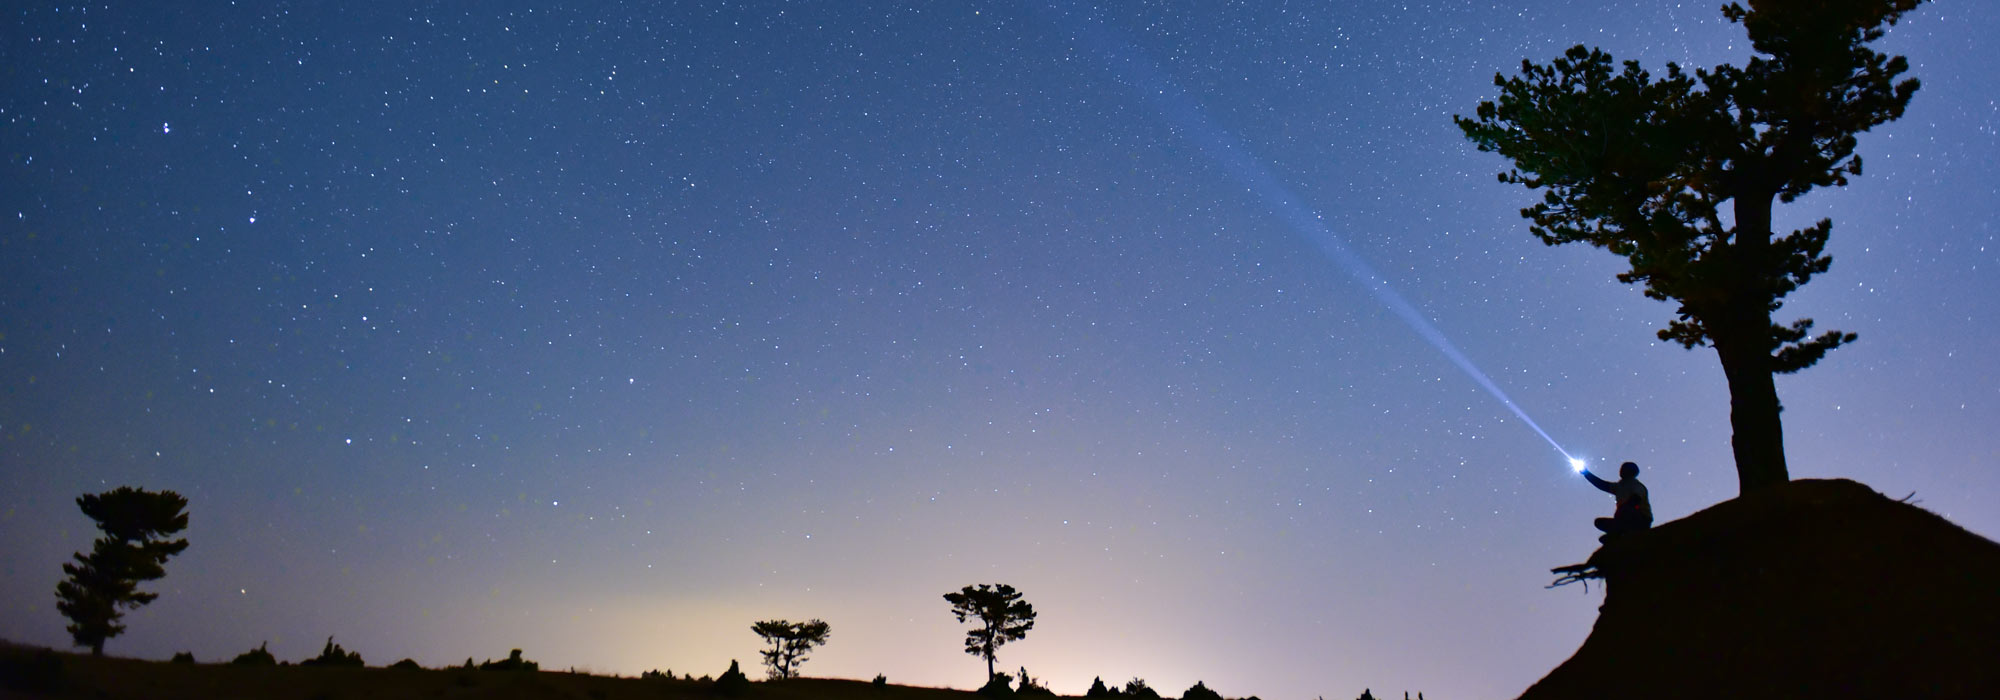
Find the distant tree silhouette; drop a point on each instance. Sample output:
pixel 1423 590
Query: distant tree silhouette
pixel 1644 168
pixel 732 683
pixel 333 655
pixel 1198 691
pixel 1003 617
pixel 406 664
pixel 182 657
pixel 999 686
pixel 1097 689
pixel 513 662
pixel 1028 686
pixel 1137 688
pixel 133 549
pixel 790 643
pixel 259 656
pixel 1365 695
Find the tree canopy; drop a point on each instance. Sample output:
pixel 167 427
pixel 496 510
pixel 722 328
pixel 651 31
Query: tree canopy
pixel 1678 174
pixel 790 643
pixel 133 549
pixel 1003 617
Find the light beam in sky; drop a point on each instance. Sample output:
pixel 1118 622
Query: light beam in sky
pixel 1132 67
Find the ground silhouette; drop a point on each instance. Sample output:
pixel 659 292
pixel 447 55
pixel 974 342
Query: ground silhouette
pixel 46 673
pixel 1812 589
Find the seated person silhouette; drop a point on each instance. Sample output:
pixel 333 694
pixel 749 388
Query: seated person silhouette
pixel 1634 511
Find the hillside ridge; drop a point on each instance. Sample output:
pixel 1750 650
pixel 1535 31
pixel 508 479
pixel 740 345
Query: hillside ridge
pixel 1817 588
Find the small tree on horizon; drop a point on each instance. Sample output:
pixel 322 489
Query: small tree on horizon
pixel 333 655
pixel 1200 691
pixel 1003 617
pixel 790 643
pixel 133 549
pixel 1679 174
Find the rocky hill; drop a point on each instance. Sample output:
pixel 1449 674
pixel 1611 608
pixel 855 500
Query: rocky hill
pixel 1815 589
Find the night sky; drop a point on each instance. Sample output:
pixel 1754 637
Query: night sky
pixel 603 331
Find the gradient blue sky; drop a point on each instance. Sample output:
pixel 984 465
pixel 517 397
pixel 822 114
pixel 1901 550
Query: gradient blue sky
pixel 605 330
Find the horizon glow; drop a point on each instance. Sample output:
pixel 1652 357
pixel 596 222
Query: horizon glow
pixel 1183 112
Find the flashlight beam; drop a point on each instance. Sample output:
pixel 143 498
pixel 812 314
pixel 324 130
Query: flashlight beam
pixel 1187 118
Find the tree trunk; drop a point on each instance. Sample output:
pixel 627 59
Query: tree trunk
pixel 1757 434
pixel 1743 342
pixel 97 648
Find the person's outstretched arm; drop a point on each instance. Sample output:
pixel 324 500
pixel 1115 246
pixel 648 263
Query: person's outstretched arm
pixel 1601 484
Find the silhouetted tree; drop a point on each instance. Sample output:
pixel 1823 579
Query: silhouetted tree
pixel 135 523
pixel 1198 691
pixel 1644 168
pixel 513 662
pixel 259 656
pixel 732 683
pixel 1028 686
pixel 790 643
pixel 1097 689
pixel 1365 695
pixel 998 686
pixel 1137 688
pixel 1003 617
pixel 333 655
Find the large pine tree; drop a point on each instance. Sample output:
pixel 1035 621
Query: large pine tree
pixel 1679 175
pixel 133 549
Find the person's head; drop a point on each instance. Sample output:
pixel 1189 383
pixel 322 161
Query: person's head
pixel 1628 470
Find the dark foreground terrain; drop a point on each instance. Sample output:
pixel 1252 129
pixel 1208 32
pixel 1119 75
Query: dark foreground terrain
pixel 1815 589
pixel 40 673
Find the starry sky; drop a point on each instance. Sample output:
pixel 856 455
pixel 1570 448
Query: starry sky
pixel 603 330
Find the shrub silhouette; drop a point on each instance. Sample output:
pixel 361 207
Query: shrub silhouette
pixel 333 655
pixel 732 683
pixel 998 686
pixel 1028 686
pixel 255 657
pixel 1136 688
pixel 1097 689
pixel 881 682
pixel 1198 691
pixel 513 662
pixel 656 675
pixel 406 665
pixel 185 657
